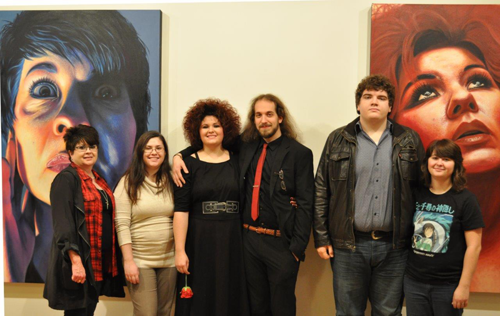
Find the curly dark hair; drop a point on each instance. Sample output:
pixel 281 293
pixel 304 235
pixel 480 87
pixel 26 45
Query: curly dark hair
pixel 377 83
pixel 222 110
pixel 446 148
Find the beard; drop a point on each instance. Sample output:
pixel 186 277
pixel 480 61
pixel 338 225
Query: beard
pixel 268 133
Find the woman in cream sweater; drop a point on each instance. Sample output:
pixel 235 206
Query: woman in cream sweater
pixel 144 210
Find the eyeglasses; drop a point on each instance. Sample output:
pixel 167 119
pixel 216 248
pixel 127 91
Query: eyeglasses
pixel 149 150
pixel 85 148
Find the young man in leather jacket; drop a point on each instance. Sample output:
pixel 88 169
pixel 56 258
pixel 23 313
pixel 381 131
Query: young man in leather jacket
pixel 364 205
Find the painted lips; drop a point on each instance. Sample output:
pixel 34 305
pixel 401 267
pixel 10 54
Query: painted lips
pixel 59 162
pixel 471 133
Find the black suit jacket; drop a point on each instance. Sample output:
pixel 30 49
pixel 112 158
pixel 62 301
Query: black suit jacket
pixel 296 163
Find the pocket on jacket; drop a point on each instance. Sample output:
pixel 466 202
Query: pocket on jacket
pixel 89 202
pixel 338 166
pixel 67 272
pixel 409 163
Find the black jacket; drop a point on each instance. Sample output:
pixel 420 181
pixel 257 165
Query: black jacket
pixel 336 179
pixel 296 161
pixel 70 233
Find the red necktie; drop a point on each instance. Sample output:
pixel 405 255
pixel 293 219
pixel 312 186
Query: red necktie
pixel 256 185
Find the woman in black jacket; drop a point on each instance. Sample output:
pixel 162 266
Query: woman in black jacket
pixel 83 262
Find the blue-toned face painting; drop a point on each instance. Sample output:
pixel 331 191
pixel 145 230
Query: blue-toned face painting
pixel 61 69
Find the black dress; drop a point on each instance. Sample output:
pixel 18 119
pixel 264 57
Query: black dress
pixel 213 242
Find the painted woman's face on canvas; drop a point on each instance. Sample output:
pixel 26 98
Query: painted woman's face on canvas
pixel 452 95
pixel 55 94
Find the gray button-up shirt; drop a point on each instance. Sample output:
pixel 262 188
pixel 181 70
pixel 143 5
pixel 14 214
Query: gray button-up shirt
pixel 373 191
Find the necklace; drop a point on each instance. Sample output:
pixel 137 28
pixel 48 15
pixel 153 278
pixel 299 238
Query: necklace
pixel 105 196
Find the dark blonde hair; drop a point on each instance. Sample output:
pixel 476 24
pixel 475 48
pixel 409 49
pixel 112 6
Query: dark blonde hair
pixel 446 148
pixel 287 125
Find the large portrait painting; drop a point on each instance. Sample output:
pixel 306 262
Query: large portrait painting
pixel 445 63
pixel 60 69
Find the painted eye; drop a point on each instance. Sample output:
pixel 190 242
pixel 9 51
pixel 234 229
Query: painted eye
pixel 476 84
pixel 421 94
pixel 427 94
pixel 107 92
pixel 478 81
pixel 44 89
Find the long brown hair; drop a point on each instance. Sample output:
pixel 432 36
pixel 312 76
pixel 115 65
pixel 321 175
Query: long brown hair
pixel 446 148
pixel 136 173
pixel 287 125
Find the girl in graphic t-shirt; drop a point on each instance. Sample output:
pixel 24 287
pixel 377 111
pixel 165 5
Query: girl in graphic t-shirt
pixel 447 236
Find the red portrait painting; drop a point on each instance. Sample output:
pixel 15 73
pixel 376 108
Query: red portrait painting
pixel 445 63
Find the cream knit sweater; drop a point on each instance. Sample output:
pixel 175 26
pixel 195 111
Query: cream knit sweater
pixel 148 225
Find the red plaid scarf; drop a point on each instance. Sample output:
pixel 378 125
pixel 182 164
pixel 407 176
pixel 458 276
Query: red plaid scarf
pixel 93 217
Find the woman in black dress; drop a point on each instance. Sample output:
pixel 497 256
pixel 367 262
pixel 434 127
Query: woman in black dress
pixel 207 226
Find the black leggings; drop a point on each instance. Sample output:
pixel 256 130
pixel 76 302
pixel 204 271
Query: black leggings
pixel 89 311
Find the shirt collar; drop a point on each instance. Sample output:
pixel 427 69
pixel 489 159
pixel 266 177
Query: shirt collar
pixel 272 145
pixel 389 127
pixel 83 175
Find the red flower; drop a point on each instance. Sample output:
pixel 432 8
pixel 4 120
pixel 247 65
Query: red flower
pixel 186 291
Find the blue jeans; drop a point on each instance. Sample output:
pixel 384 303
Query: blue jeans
pixel 373 271
pixel 429 299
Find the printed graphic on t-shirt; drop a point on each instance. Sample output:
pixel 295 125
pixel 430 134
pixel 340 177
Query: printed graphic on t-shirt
pixel 432 227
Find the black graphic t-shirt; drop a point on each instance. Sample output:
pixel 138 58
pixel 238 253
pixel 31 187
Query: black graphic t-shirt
pixel 438 242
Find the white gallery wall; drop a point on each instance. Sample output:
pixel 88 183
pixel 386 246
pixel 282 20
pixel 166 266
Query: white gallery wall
pixel 312 54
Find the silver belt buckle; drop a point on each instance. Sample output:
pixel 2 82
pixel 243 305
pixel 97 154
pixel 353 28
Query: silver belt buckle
pixel 232 207
pixel 210 207
pixel 216 207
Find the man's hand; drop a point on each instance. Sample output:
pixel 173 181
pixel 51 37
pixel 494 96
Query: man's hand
pixel 182 262
pixel 460 297
pixel 325 252
pixel 293 202
pixel 296 258
pixel 131 271
pixel 178 165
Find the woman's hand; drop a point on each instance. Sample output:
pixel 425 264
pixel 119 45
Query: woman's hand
pixel 131 271
pixel 177 166
pixel 77 269
pixel 460 297
pixel 182 262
